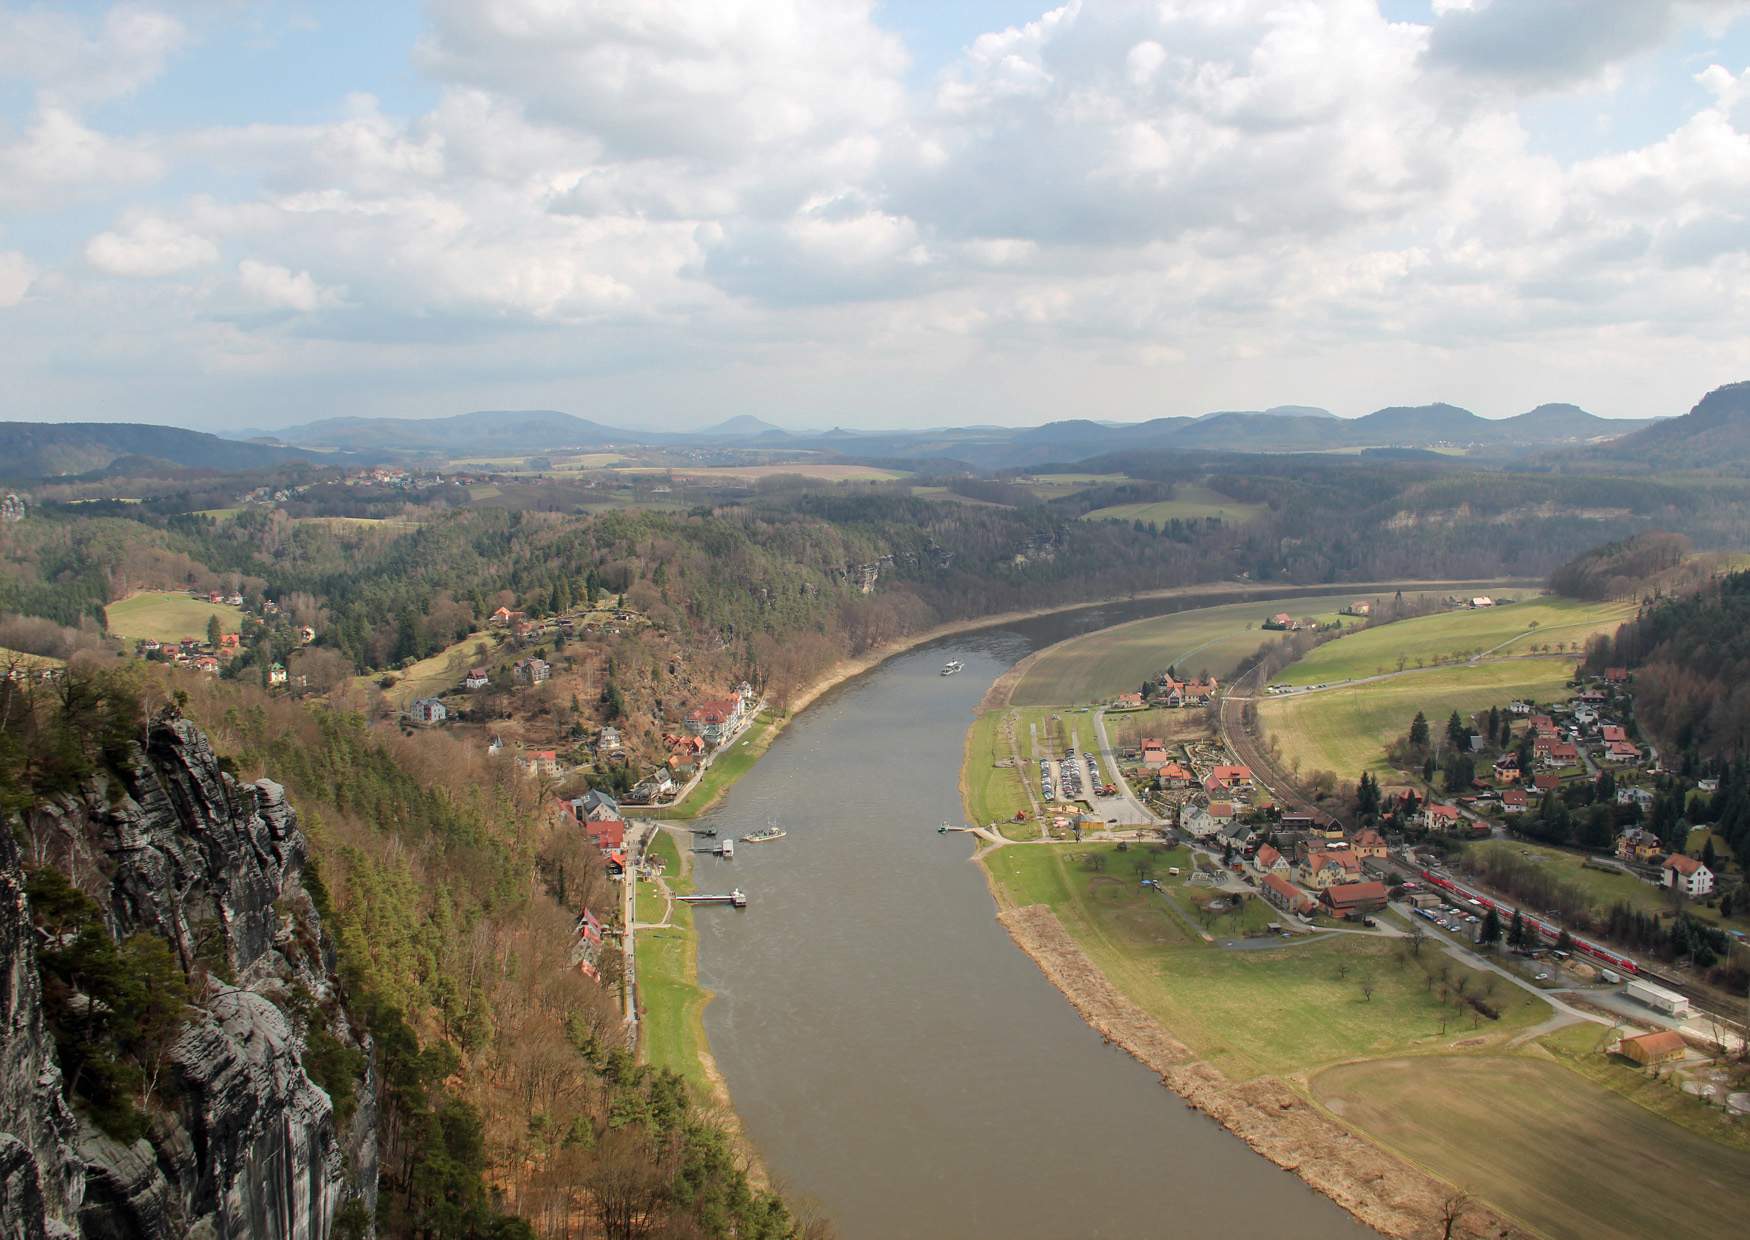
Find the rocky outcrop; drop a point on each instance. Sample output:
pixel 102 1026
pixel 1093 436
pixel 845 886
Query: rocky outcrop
pixel 247 1143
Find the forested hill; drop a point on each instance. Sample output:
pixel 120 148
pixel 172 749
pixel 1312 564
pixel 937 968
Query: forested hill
pixel 424 957
pixel 1713 436
pixel 1690 656
pixel 34 450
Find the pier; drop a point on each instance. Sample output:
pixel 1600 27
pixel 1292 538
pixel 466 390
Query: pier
pixel 736 899
pixel 722 848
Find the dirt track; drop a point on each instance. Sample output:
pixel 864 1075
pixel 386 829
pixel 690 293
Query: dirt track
pixel 1377 1187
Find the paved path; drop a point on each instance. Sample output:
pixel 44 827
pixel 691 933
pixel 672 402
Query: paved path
pixel 1138 811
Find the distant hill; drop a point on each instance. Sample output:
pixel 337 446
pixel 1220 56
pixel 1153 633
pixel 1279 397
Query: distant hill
pixel 1715 434
pixel 35 450
pixel 484 433
pixel 1274 411
pixel 743 425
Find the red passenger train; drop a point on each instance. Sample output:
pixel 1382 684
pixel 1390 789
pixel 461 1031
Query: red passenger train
pixel 1544 929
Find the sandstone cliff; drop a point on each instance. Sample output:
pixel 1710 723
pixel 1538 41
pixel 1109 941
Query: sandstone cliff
pixel 244 1143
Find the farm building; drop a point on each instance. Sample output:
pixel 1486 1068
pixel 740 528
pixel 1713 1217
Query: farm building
pixel 1285 895
pixel 1354 899
pixel 1653 1048
pixel 428 710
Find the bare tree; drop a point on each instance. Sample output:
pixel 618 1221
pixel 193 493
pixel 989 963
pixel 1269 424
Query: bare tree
pixel 1367 989
pixel 1452 1210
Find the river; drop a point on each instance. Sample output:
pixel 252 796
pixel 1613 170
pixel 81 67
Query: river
pixel 894 1057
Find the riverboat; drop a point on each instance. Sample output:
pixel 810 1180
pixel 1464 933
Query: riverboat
pixel 772 832
pixel 952 666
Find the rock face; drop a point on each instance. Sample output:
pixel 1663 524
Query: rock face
pixel 249 1144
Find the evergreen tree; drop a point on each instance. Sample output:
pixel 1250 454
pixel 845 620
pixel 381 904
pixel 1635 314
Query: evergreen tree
pixel 1419 731
pixel 1516 931
pixel 1457 733
pixel 1491 931
pixel 214 631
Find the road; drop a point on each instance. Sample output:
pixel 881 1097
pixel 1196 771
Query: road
pixel 1138 813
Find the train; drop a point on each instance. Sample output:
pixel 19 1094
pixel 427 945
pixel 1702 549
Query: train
pixel 1545 931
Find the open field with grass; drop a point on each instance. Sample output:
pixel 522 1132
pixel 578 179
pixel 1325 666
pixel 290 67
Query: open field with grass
pixel 1347 730
pixel 1276 1011
pixel 992 793
pixel 1456 635
pixel 1580 1047
pixel 1192 501
pixel 1603 888
pixel 672 1003
pixel 391 525
pixel 9 656
pixel 819 471
pixel 168 616
pixel 1056 486
pixel 1098 665
pixel 1546 1144
pixel 439 673
pixel 725 769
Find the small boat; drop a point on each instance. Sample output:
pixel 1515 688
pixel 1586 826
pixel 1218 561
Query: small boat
pixel 942 830
pixel 952 666
pixel 773 832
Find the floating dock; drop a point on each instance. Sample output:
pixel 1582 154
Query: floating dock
pixel 736 899
pixel 722 848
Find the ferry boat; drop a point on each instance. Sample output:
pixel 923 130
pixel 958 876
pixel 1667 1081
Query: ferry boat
pixel 772 832
pixel 952 666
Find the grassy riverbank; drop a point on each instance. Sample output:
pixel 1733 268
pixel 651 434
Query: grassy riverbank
pixel 1289 1008
pixel 672 1003
pixel 724 770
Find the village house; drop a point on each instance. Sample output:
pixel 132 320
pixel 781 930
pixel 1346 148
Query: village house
pixel 1281 620
pixel 1515 801
pixel 1226 778
pixel 531 671
pixel 306 635
pixel 715 719
pixel 1482 600
pixel 1560 753
pixel 1622 751
pixel 1359 608
pixel 1368 843
pixel 1203 823
pixel 538 762
pixel 1326 869
pixel 1172 775
pixel 1269 861
pixel 1441 818
pixel 1638 844
pixel 1546 782
pixel 1616 675
pixel 504 617
pixel 276 675
pixel 428 710
pixel 1171 692
pixel 1285 895
pixel 1127 701
pixel 1688 875
pixel 1154 752
pixel 608 741
pixel 1353 900
pixel 1610 733
pixel 655 787
pixel 476 679
pixel 1648 1049
pixel 1634 794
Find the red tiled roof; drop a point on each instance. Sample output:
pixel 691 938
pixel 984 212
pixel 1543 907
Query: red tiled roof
pixel 1682 864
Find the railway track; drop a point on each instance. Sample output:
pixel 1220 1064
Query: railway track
pixel 1244 746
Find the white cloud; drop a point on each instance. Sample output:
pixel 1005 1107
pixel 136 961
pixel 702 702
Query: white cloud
pixel 58 157
pixel 71 58
pixel 16 274
pixel 281 287
pixel 149 246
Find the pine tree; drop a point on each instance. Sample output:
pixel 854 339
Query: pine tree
pixel 1491 931
pixel 1516 931
pixel 1457 733
pixel 1419 731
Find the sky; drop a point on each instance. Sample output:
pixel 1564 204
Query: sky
pixel 243 214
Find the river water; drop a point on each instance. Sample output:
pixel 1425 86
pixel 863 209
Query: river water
pixel 892 1054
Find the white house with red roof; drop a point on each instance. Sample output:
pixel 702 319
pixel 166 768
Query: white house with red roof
pixel 1438 817
pixel 1688 875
